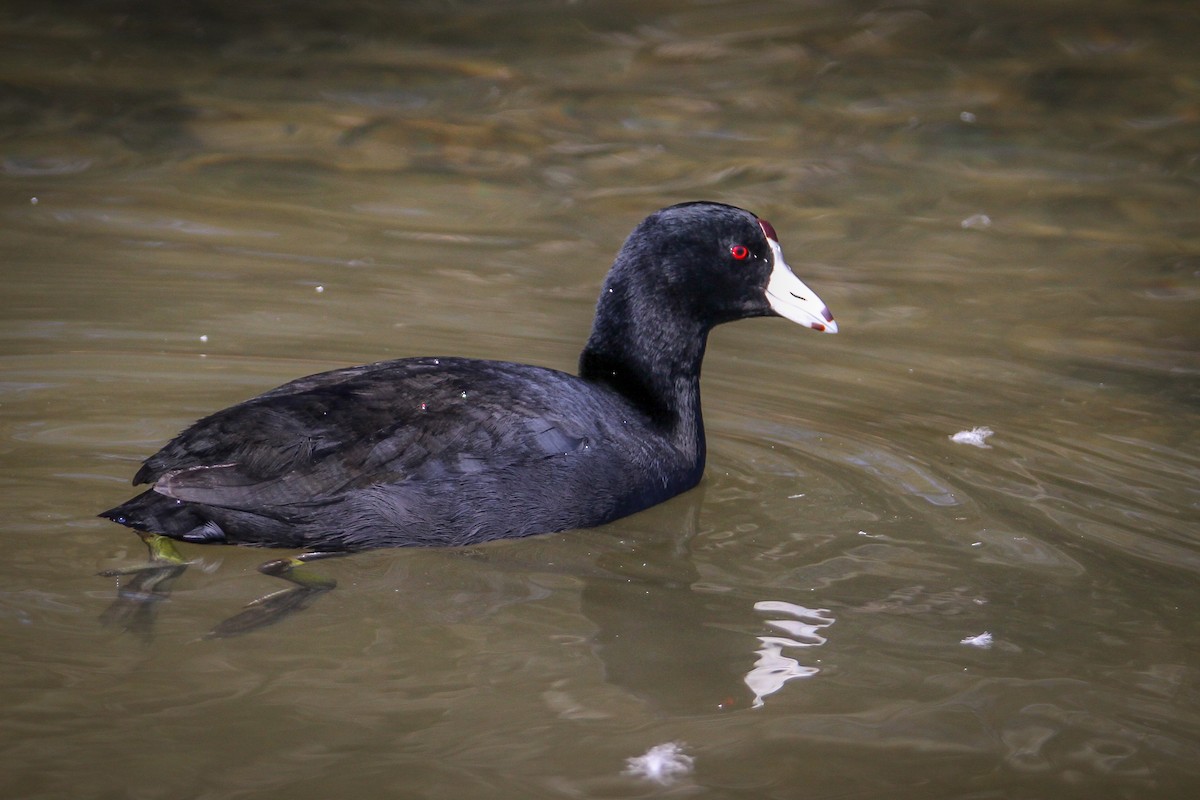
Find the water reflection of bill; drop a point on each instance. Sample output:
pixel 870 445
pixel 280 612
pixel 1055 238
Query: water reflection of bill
pixel 686 645
pixel 773 669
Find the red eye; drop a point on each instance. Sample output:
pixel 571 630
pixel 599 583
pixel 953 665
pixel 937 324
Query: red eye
pixel 740 252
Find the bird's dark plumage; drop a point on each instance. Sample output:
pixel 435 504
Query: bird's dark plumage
pixel 453 451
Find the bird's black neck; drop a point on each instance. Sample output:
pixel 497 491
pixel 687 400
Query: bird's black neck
pixel 653 361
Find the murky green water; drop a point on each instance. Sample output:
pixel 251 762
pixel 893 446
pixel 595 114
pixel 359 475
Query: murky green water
pixel 998 201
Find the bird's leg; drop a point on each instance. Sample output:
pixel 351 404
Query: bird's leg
pixel 271 608
pixel 140 589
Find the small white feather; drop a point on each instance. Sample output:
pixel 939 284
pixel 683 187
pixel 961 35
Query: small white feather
pixel 663 763
pixel 976 437
pixel 982 641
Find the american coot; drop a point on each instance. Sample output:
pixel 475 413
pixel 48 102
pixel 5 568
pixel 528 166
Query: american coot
pixel 456 451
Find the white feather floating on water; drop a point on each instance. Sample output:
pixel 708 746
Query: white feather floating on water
pixel 982 641
pixel 976 437
pixel 664 763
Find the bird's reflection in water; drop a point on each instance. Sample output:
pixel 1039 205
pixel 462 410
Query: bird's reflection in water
pixel 681 644
pixel 665 635
pixel 143 588
pixel 773 669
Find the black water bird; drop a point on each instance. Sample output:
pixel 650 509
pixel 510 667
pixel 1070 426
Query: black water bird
pixel 457 451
